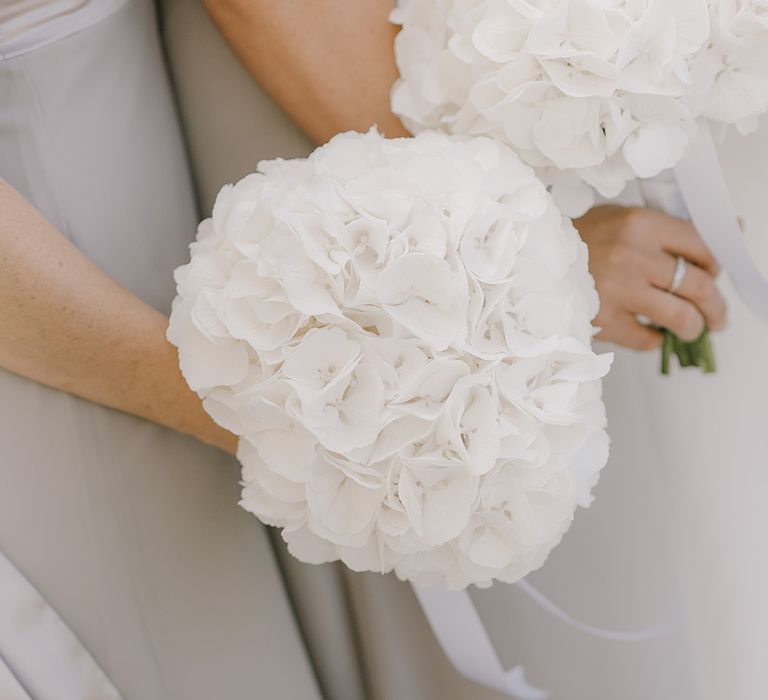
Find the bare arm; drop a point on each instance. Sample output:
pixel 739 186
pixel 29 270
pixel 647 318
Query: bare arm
pixel 330 64
pixel 66 324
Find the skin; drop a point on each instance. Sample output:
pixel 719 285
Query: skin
pixel 330 65
pixel 632 256
pixel 69 325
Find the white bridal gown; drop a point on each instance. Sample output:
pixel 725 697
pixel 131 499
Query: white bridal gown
pixel 129 532
pixel 676 541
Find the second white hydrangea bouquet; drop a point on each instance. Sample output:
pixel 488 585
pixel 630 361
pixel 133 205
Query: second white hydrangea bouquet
pixel 591 93
pixel 400 333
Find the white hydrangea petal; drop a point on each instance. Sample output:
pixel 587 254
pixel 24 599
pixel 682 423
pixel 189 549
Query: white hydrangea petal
pixel 438 502
pixel 652 149
pixel 206 363
pixel 421 293
pixel 288 451
pixel 488 541
pixel 322 359
pixel 340 503
pixel 308 547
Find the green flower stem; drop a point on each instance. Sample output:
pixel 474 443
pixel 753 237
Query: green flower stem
pixel 698 353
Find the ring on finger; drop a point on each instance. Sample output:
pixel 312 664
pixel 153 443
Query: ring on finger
pixel 681 268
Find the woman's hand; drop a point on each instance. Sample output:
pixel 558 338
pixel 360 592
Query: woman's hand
pixel 632 256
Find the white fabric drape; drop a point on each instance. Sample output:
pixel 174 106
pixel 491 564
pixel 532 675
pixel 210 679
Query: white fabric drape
pixel 38 651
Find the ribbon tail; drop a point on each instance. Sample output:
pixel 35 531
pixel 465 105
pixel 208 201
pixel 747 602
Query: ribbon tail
pixel 545 603
pixel 465 641
pixel 40 656
pixel 705 191
pixel 463 637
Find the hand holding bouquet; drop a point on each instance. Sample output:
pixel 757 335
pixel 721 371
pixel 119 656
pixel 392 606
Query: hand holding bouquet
pixel 591 94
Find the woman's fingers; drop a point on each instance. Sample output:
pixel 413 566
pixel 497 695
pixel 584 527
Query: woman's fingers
pixel 670 311
pixel 632 256
pixel 627 331
pixel 698 286
pixel 679 237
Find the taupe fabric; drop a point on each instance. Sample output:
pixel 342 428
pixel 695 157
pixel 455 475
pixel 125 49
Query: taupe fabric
pixel 33 635
pixel 132 533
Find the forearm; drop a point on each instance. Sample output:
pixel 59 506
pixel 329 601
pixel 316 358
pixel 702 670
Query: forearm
pixel 68 325
pixel 329 64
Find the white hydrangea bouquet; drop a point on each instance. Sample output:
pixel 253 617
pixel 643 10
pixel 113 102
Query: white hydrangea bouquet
pixel 591 93
pixel 399 332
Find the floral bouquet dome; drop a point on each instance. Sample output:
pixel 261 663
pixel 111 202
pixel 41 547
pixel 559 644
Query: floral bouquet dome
pixel 592 93
pixel 400 333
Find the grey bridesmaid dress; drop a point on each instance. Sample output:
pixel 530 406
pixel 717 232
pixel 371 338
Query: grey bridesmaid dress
pixel 129 532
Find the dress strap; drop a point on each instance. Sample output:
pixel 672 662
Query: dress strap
pixel 40 657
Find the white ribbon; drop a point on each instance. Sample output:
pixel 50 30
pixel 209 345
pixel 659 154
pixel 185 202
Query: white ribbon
pixel 705 191
pixel 462 635
pixel 465 641
pixel 545 603
pixel 40 657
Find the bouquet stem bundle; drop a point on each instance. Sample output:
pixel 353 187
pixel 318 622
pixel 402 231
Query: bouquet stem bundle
pixel 698 353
